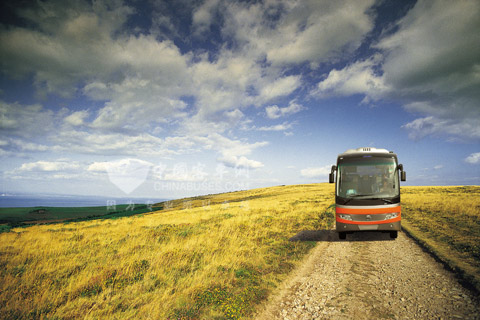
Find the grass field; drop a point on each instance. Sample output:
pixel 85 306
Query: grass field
pixel 209 257
pixel 213 257
pixel 446 220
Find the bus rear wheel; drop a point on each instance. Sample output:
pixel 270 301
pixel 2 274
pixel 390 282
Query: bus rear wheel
pixel 342 235
pixel 393 234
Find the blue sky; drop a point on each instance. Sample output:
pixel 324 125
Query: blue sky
pixel 167 99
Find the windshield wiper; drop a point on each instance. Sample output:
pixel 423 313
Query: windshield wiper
pixel 387 200
pixel 356 196
pixel 362 195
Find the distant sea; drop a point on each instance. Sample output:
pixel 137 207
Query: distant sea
pixel 9 201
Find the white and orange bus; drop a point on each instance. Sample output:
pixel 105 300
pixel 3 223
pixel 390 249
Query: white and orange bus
pixel 367 191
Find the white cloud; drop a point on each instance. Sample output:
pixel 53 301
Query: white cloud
pixel 421 127
pixel 127 174
pixel 275 112
pixel 317 31
pixel 474 158
pixel 181 173
pixel 279 127
pixel 70 43
pixel 430 63
pixel 98 167
pixel 50 166
pixel 24 127
pixel 43 170
pixel 357 78
pixel 121 144
pixel 140 77
pixel 18 146
pixel 289 32
pixel 138 114
pixel 232 147
pixel 143 80
pixel 433 61
pixel 436 53
pixel 280 87
pixel 237 78
pixel 450 118
pixel 234 116
pixel 315 172
pixel 204 16
pixel 232 152
pixel 224 84
pixel 240 162
pixel 27 121
pixel 77 118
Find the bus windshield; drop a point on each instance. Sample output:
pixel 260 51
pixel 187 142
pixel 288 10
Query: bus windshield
pixel 367 177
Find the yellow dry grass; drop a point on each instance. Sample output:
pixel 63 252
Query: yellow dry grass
pixel 447 221
pixel 211 257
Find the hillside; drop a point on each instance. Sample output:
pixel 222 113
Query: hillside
pixel 206 257
pixel 209 257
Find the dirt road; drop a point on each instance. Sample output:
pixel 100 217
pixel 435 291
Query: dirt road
pixel 370 276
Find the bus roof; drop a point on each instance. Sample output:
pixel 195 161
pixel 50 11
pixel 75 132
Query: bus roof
pixel 365 150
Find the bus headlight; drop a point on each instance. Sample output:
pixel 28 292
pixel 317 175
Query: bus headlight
pixel 391 216
pixel 346 217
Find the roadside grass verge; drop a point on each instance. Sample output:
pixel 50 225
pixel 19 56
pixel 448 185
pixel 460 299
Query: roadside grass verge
pixel 211 257
pixel 446 221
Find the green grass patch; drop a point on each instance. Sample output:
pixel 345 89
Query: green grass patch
pixel 21 217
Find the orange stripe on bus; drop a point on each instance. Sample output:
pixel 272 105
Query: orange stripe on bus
pixel 369 222
pixel 368 211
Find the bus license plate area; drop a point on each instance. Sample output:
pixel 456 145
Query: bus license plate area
pixel 367 227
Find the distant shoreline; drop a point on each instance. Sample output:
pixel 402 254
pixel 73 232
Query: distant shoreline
pixel 31 201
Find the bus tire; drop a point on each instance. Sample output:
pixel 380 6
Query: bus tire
pixel 342 235
pixel 393 234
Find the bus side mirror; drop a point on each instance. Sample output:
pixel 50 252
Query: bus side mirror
pixel 331 176
pixel 403 174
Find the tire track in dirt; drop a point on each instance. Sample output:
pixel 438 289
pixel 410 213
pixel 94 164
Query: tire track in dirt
pixel 370 276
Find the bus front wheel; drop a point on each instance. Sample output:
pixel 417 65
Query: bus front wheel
pixel 393 234
pixel 342 235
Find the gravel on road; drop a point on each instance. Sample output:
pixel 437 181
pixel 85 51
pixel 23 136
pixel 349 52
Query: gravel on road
pixel 370 276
